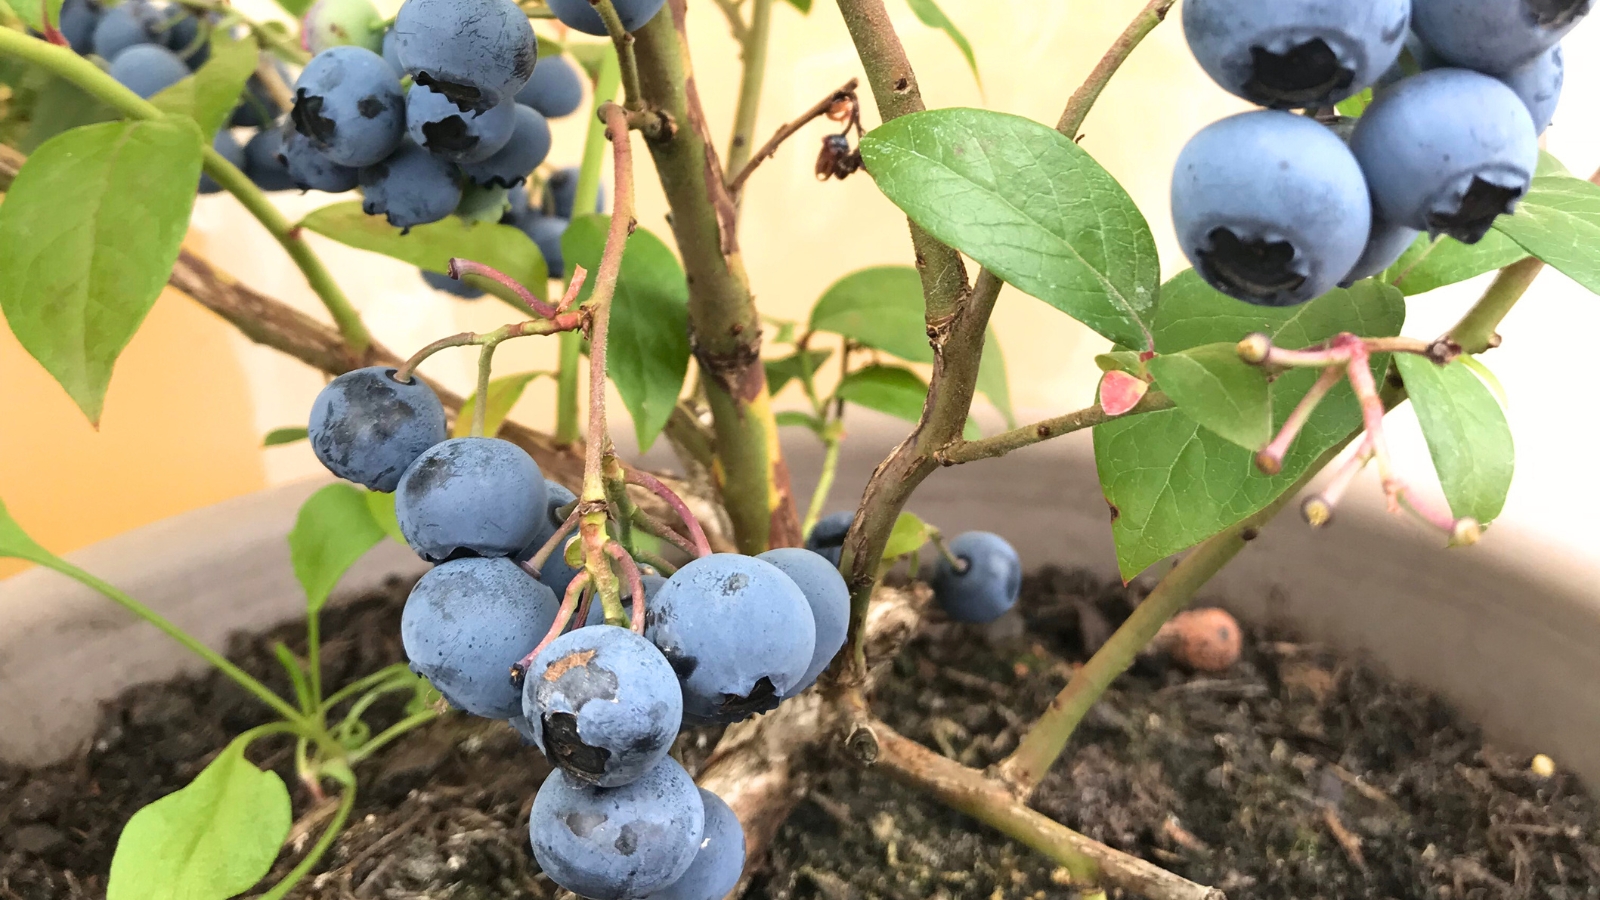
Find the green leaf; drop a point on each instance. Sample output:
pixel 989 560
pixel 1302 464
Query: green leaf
pixel 296 8
pixel 1353 107
pixel 482 204
pixel 1559 222
pixel 277 437
pixel 1429 264
pixel 1467 433
pixel 803 5
pixel 932 16
pixel 648 356
pixel 1172 483
pixel 1122 361
pixel 1029 204
pixel 16 544
pixel 334 529
pixel 213 838
pixel 431 246
pixel 30 11
pixel 789 418
pixel 882 308
pixel 1549 165
pixel 91 228
pixel 503 394
pixel 908 536
pixel 59 106
pixel 1213 386
pixel 210 94
pixel 893 391
pixel 381 505
pixel 796 365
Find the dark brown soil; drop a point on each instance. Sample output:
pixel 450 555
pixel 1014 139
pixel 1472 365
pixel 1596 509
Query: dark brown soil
pixel 1298 775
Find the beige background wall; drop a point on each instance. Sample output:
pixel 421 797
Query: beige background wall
pixel 191 399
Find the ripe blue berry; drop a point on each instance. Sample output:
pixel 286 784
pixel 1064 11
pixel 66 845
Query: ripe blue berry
pixel 1447 152
pixel 391 53
pixel 77 23
pixel 987 587
pixel 348 102
pixel 368 428
pixel 603 705
pixel 546 232
pixel 467 622
pixel 230 150
pixel 476 52
pixel 555 89
pixel 339 23
pixel 580 14
pixel 1270 207
pixel 738 632
pixel 124 26
pixel 411 187
pixel 527 147
pixel 470 497
pixel 1384 248
pixel 1295 55
pixel 719 863
pixel 180 32
pixel 1539 85
pixel 556 496
pixel 829 597
pixel 617 843
pixel 262 163
pixel 827 536
pixel 561 194
pixel 450 285
pixel 147 69
pixel 1495 36
pixel 434 123
pixel 309 168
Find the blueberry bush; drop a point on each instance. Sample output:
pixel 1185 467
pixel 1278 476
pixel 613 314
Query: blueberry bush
pixel 597 608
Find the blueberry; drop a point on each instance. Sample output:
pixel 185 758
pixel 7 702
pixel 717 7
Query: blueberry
pixel 1270 207
pixel 556 496
pixel 368 428
pixel 470 496
pixel 476 52
pixel 617 843
pixel 987 587
pixel 467 622
pixel 77 23
pixel 829 597
pixel 1539 85
pixel 827 536
pixel 1293 55
pixel 603 705
pixel 411 187
pixel 1385 246
pixel 224 144
pixel 516 204
pixel 555 89
pixel 450 285
pixel 738 632
pixel 528 146
pixel 257 107
pixel 434 122
pixel 391 53
pixel 718 864
pixel 561 194
pixel 261 161
pixel 348 102
pixel 580 14
pixel 546 232
pixel 180 32
pixel 1447 152
pixel 147 69
pixel 309 168
pixel 1495 36
pixel 556 574
pixel 338 23
pixel 123 26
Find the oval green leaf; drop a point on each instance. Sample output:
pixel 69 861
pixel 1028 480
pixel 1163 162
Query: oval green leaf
pixel 503 394
pixel 211 93
pixel 929 13
pixel 277 437
pixel 908 536
pixel 1429 264
pixel 334 529
pixel 1467 435
pixel 1559 222
pixel 1213 386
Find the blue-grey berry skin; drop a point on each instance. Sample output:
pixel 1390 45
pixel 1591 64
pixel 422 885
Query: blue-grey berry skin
pixel 1495 36
pixel 181 35
pixel 261 161
pixel 438 126
pixel 470 496
pixel 1295 55
pixel 546 232
pixel 409 188
pixel 718 864
pixel 77 23
pixel 1447 152
pixel 556 496
pixel 527 147
pixel 348 102
pixel 450 286
pixel 603 705
pixel 391 53
pixel 617 843
pixel 738 632
pixel 309 168
pixel 561 194
pixel 368 428
pixel 124 26
pixel 476 52
pixel 467 622
pixel 147 69
pixel 258 108
pixel 829 597
pixel 580 14
pixel 989 585
pixel 1270 207
pixel 1384 248
pixel 555 89
pixel 827 536
pixel 1539 85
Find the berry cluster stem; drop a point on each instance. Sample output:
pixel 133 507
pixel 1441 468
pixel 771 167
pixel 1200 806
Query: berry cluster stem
pixel 623 41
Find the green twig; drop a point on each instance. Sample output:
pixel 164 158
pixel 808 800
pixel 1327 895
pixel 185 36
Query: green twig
pixel 627 63
pixel 1027 435
pixel 480 402
pixel 388 735
pixel 347 802
pixel 1084 98
pixel 754 56
pixel 831 443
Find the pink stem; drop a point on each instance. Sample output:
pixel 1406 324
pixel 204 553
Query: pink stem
pixel 1270 459
pixel 574 288
pixel 1372 412
pixel 1319 358
pixel 569 604
pixel 702 547
pixel 543 556
pixel 460 268
pixel 582 614
pixel 630 571
pixel 1318 509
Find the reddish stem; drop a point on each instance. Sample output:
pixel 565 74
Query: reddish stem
pixel 630 571
pixel 574 287
pixel 1372 412
pixel 582 615
pixel 1270 459
pixel 702 547
pixel 569 605
pixel 1318 509
pixel 460 268
pixel 543 556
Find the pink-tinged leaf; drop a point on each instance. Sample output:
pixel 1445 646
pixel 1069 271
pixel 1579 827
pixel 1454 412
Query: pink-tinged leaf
pixel 1120 392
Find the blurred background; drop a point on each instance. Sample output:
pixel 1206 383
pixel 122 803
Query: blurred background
pixel 191 398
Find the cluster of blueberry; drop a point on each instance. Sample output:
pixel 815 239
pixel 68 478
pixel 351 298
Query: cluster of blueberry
pixel 1276 209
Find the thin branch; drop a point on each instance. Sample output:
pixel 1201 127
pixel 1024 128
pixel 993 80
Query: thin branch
pixel 736 25
pixel 702 546
pixel 630 572
pixel 661 529
pixel 788 130
pixel 623 41
pixel 1084 97
pixel 347 802
pixel 753 55
pixel 461 268
pixel 1028 435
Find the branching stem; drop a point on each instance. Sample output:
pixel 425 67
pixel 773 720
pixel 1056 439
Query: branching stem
pixel 746 169
pixel 1083 99
pixel 702 546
